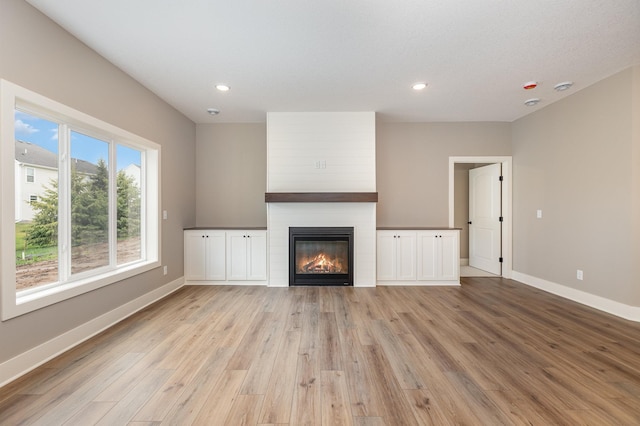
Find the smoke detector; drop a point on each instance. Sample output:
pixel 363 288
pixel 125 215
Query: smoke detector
pixel 532 102
pixel 530 85
pixel 213 111
pixel 560 87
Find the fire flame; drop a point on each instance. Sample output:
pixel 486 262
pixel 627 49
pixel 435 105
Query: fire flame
pixel 320 264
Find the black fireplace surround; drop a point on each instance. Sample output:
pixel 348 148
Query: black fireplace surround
pixel 321 256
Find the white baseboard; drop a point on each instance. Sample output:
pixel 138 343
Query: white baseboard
pixel 229 283
pixel 33 358
pixel 631 313
pixel 418 283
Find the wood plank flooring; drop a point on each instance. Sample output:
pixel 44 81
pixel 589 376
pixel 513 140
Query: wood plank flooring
pixel 492 352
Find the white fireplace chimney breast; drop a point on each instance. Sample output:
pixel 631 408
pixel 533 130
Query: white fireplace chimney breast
pixel 321 152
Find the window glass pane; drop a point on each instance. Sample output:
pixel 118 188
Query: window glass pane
pixel 36 203
pixel 89 203
pixel 129 204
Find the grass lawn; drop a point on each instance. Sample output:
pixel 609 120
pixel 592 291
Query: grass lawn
pixel 31 254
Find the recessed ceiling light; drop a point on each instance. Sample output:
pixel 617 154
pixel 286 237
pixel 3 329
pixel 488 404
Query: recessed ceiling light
pixel 222 87
pixel 419 86
pixel 213 111
pixel 563 86
pixel 532 102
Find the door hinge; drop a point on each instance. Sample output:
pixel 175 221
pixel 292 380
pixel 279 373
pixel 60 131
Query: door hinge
pixel 500 259
pixel 501 219
pixel 501 178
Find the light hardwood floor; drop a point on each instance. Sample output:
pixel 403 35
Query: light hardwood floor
pixel 490 352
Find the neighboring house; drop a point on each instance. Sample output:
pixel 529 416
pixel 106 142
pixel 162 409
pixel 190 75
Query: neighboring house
pixel 35 170
pixel 133 171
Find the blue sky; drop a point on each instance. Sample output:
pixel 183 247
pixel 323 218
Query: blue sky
pixel 29 128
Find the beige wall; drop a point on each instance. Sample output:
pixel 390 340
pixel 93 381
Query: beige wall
pixel 38 55
pixel 413 166
pixel 412 163
pixel 231 175
pixel 575 160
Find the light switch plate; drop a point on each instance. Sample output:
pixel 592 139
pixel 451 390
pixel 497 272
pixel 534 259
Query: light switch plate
pixel 539 214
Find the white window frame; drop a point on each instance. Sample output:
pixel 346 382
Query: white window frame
pixel 33 198
pixel 27 175
pixel 14 303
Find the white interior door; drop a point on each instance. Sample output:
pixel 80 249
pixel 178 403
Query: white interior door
pixel 484 218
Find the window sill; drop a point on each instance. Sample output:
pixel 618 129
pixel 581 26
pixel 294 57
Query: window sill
pixel 30 300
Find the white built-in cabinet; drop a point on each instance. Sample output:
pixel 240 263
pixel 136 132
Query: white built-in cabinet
pixel 396 255
pixel 204 255
pixel 413 257
pixel 247 255
pixel 220 256
pixel 438 255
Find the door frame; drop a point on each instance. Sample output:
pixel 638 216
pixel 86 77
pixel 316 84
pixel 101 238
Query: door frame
pixel 507 197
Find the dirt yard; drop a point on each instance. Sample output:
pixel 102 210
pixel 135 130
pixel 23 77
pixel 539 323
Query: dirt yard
pixel 85 257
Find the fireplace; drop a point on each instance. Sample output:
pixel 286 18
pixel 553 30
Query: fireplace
pixel 321 256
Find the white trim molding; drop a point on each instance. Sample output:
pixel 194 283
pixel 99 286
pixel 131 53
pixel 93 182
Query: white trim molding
pixel 21 364
pixel 631 313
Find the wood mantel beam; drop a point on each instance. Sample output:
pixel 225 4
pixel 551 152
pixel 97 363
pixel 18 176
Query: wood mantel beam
pixel 321 197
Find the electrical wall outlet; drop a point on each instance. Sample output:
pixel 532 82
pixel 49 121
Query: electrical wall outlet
pixel 539 214
pixel 165 215
pixel 579 274
pixel 165 270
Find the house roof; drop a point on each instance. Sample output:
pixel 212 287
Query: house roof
pixel 35 155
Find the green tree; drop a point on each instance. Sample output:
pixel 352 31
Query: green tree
pixel 89 209
pixel 90 206
pixel 100 180
pixel 43 232
pixel 128 206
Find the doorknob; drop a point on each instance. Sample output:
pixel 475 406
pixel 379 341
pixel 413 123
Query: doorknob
pixel 469 222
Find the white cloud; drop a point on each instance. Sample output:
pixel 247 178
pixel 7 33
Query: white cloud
pixel 24 128
pixel 54 134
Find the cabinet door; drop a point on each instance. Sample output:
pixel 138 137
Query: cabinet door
pixel 449 255
pixel 428 255
pixel 237 256
pixel 216 255
pixel 406 256
pixel 194 256
pixel 386 256
pixel 257 256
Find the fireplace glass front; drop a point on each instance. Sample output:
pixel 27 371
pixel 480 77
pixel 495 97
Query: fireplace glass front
pixel 321 256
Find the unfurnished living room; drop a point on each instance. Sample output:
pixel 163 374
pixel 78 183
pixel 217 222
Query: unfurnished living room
pixel 320 213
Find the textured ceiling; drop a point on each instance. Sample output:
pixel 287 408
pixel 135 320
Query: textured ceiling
pixel 357 55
